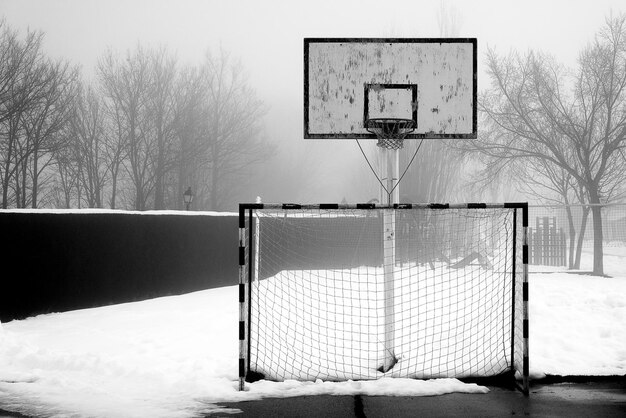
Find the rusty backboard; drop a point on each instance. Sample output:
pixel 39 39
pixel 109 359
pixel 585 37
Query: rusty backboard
pixel 348 80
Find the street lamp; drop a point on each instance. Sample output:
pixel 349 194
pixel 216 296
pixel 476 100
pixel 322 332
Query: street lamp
pixel 188 197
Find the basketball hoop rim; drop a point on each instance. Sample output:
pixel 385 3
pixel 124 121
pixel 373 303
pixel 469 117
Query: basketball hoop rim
pixel 390 131
pixel 378 123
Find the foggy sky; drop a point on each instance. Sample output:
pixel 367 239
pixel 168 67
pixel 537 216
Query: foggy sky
pixel 267 36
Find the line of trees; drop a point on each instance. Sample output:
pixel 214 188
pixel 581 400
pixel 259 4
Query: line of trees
pixel 561 131
pixel 135 137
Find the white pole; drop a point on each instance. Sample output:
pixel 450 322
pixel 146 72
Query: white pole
pixel 384 175
pixel 396 175
pixel 389 257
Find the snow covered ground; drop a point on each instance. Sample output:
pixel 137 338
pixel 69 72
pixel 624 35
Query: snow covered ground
pixel 177 356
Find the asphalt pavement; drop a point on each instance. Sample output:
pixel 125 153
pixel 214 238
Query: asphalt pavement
pixel 580 397
pixel 597 398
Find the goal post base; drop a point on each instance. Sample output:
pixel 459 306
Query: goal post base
pixel 525 389
pixel 506 380
pixel 252 377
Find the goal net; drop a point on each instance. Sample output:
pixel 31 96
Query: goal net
pixel 363 292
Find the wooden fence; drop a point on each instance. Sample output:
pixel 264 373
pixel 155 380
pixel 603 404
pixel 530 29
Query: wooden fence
pixel 547 243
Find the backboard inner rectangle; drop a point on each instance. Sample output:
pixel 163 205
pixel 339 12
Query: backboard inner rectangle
pixel 396 101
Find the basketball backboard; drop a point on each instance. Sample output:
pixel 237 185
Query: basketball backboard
pixel 350 80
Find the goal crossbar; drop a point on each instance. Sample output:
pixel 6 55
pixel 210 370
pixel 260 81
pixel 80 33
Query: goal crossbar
pixel 331 292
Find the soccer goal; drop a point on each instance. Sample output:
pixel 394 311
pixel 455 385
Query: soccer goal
pixel 336 292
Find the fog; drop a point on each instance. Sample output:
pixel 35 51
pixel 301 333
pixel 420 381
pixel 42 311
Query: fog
pixel 267 37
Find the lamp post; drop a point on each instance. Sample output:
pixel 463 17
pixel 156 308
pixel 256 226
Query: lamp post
pixel 188 197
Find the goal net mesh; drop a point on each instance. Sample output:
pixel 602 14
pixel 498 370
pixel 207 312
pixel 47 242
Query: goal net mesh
pixel 330 299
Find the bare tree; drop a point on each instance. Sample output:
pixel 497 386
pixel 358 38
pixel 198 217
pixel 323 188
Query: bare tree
pixel 66 190
pixel 115 127
pixel 20 87
pixel 191 128
pixel 234 138
pixel 35 97
pixel 552 184
pixel 163 114
pixel 16 58
pixel 574 121
pixel 126 84
pixel 141 101
pixel 434 174
pixel 87 131
pixel 46 119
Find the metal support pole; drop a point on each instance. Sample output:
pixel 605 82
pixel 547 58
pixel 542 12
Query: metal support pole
pixel 242 301
pixel 384 175
pixel 391 159
pixel 395 177
pixel 526 366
